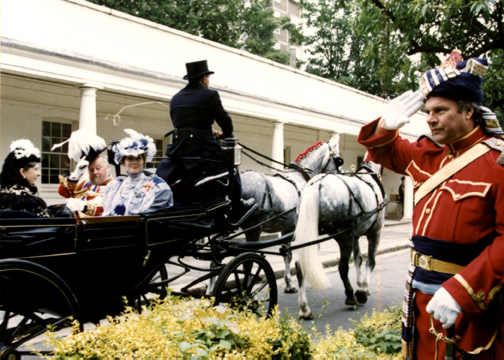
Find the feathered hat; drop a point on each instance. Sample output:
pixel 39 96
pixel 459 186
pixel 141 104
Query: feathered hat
pixel 457 79
pixel 135 144
pixel 83 144
pixel 23 152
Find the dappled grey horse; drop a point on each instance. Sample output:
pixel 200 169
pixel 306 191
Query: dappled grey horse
pixel 348 205
pixel 278 194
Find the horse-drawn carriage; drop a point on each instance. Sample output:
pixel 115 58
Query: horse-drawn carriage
pixel 56 269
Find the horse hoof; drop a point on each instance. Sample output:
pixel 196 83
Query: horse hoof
pixel 306 316
pixel 350 301
pixel 361 296
pixel 291 290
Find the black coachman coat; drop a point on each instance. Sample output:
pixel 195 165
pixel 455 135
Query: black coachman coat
pixel 194 152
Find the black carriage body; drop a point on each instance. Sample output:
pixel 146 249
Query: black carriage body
pixel 101 260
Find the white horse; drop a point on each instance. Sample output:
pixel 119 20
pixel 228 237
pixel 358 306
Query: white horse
pixel 279 194
pixel 351 205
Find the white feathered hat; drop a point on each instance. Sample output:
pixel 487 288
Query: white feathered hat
pixel 24 148
pixel 134 145
pixel 83 144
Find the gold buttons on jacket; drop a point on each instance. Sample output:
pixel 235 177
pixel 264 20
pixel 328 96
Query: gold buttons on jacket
pixel 427 211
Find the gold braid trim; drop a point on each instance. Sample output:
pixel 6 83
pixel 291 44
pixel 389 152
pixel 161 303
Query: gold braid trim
pixel 481 299
pixel 440 337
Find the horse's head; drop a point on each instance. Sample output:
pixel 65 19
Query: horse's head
pixel 335 161
pixel 321 157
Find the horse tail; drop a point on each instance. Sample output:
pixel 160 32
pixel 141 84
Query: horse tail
pixel 307 230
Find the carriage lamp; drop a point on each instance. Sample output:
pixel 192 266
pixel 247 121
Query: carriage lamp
pixel 232 151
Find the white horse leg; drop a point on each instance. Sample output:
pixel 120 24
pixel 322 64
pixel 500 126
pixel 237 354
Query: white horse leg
pixel 289 287
pixel 360 274
pixel 304 309
pixel 373 239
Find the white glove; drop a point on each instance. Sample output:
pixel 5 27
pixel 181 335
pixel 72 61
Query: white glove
pixel 79 170
pixel 399 109
pixel 76 204
pixel 443 307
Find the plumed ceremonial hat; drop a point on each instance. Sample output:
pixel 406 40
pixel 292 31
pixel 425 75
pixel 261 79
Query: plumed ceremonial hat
pixel 197 69
pixel 83 145
pixel 135 144
pixel 456 79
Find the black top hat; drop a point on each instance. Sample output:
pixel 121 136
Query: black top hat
pixel 197 69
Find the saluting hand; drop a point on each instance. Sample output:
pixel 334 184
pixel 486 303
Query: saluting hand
pixel 398 111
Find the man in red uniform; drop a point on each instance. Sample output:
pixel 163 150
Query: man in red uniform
pixel 84 193
pixel 453 304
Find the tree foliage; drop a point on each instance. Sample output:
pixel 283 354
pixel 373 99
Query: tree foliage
pixel 382 46
pixel 247 25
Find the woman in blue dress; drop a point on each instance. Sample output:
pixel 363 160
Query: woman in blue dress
pixel 139 192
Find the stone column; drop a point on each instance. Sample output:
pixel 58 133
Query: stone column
pixel 408 198
pixel 87 116
pixel 277 149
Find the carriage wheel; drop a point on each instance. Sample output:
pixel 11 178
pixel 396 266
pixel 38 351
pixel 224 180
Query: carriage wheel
pixel 153 286
pixel 33 299
pixel 247 282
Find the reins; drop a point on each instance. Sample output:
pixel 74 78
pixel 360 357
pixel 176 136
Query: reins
pixel 292 166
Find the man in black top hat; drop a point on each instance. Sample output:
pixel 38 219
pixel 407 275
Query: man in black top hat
pixel 196 106
pixel 195 152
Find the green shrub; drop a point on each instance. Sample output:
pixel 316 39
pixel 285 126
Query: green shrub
pixel 177 328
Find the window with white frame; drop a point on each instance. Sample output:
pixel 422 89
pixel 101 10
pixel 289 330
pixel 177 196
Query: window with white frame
pixel 54 162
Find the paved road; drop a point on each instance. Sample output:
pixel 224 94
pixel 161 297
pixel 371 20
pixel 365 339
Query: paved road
pixel 328 306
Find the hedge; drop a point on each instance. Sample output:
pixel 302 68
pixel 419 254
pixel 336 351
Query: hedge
pixel 177 328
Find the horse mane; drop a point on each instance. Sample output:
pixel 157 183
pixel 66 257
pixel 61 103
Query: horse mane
pixel 308 150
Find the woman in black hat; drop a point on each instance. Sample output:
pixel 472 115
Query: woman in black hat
pixel 20 171
pixel 193 110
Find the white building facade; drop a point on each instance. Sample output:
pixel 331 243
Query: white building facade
pixel 69 64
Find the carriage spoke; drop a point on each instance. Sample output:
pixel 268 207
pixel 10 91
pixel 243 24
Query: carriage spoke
pixel 5 322
pixel 248 282
pixel 253 279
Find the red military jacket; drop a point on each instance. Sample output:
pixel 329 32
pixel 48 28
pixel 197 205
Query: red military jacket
pixel 86 191
pixel 464 209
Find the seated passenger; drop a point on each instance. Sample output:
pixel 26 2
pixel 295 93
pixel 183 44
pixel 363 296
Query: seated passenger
pixel 20 171
pixel 84 192
pixel 139 192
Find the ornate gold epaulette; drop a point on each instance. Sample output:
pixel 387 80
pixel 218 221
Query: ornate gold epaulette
pixel 498 145
pixel 431 139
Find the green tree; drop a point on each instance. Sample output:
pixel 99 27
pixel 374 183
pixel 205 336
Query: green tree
pixel 236 23
pixel 369 44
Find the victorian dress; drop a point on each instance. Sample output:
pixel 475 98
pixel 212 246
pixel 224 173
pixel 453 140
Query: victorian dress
pixel 23 201
pixel 136 194
pixel 84 190
pixel 457 241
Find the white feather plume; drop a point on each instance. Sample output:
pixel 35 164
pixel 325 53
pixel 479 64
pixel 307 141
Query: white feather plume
pixel 80 144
